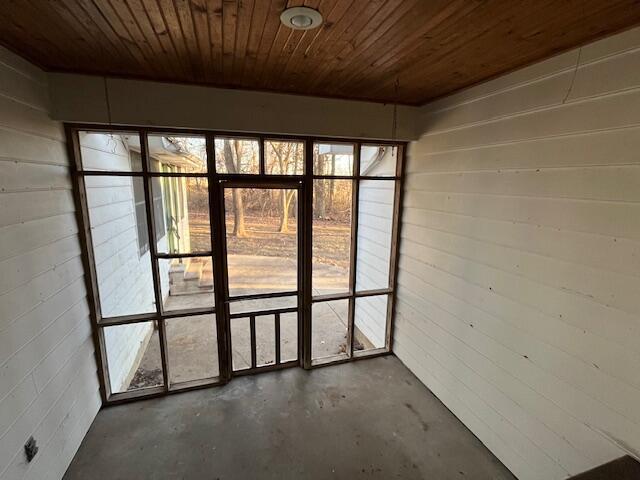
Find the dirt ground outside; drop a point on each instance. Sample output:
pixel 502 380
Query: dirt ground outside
pixel 331 239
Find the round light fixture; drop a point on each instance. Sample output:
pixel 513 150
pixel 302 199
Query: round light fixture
pixel 301 18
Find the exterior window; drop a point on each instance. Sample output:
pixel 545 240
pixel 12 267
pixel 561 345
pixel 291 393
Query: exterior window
pixel 158 209
pixel 140 211
pixel 141 218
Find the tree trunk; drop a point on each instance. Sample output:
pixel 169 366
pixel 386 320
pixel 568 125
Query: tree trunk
pixel 286 197
pixel 320 199
pixel 332 183
pixel 238 214
pixel 238 207
pixel 284 218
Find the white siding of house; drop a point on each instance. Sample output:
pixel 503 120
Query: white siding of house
pixel 519 286
pixel 48 382
pixel 124 276
pixel 375 223
pixel 371 320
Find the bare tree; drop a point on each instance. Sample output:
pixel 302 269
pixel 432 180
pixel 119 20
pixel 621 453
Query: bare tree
pixel 287 155
pixel 232 160
pixel 332 184
pixel 320 187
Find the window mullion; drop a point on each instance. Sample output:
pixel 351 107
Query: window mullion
pixel 155 271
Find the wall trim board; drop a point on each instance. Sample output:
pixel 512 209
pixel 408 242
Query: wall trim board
pixel 93 99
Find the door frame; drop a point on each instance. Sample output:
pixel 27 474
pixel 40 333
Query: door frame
pixel 305 205
pixel 292 183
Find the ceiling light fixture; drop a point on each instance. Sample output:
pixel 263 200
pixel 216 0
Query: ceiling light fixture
pixel 301 18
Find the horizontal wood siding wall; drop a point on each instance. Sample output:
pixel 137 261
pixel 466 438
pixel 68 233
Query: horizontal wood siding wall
pixel 48 382
pixel 519 285
pixel 125 281
pixel 375 222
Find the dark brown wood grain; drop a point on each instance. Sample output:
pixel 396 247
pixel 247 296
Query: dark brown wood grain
pixel 404 51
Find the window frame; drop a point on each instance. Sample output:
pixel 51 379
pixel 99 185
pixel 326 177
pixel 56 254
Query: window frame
pixel 353 293
pixel 216 181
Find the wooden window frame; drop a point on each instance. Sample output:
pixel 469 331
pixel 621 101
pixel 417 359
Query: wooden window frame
pixel 217 182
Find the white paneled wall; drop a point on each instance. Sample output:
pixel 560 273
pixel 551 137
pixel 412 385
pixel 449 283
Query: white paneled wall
pixel 519 286
pixel 375 225
pixel 48 381
pixel 125 281
pixel 375 229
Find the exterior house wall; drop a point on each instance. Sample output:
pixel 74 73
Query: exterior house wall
pixel 125 279
pixel 374 231
pixel 518 299
pixel 48 382
pixel 179 189
pixel 375 225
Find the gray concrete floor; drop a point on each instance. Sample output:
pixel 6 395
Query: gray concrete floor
pixel 193 348
pixel 192 343
pixel 364 419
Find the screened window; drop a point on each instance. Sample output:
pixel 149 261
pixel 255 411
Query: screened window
pixel 237 155
pixel 299 232
pixel 283 157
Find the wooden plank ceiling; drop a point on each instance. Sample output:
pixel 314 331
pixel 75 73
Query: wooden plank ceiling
pixel 400 51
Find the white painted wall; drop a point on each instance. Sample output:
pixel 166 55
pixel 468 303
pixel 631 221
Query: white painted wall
pixel 125 280
pixel 375 224
pixel 48 381
pixel 81 98
pixel 519 285
pixel 124 276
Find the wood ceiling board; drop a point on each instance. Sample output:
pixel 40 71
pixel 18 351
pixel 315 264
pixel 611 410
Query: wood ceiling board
pixel 404 51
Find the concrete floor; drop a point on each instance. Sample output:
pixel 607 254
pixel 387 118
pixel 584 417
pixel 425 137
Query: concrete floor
pixel 193 348
pixel 364 419
pixel 192 343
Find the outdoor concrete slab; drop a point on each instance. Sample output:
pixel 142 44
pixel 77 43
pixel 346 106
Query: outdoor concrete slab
pixel 192 344
pixel 366 419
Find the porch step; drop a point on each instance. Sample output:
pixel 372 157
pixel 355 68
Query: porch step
pixel 194 270
pixel 183 288
pixel 206 277
pixel 193 276
pixel 176 273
